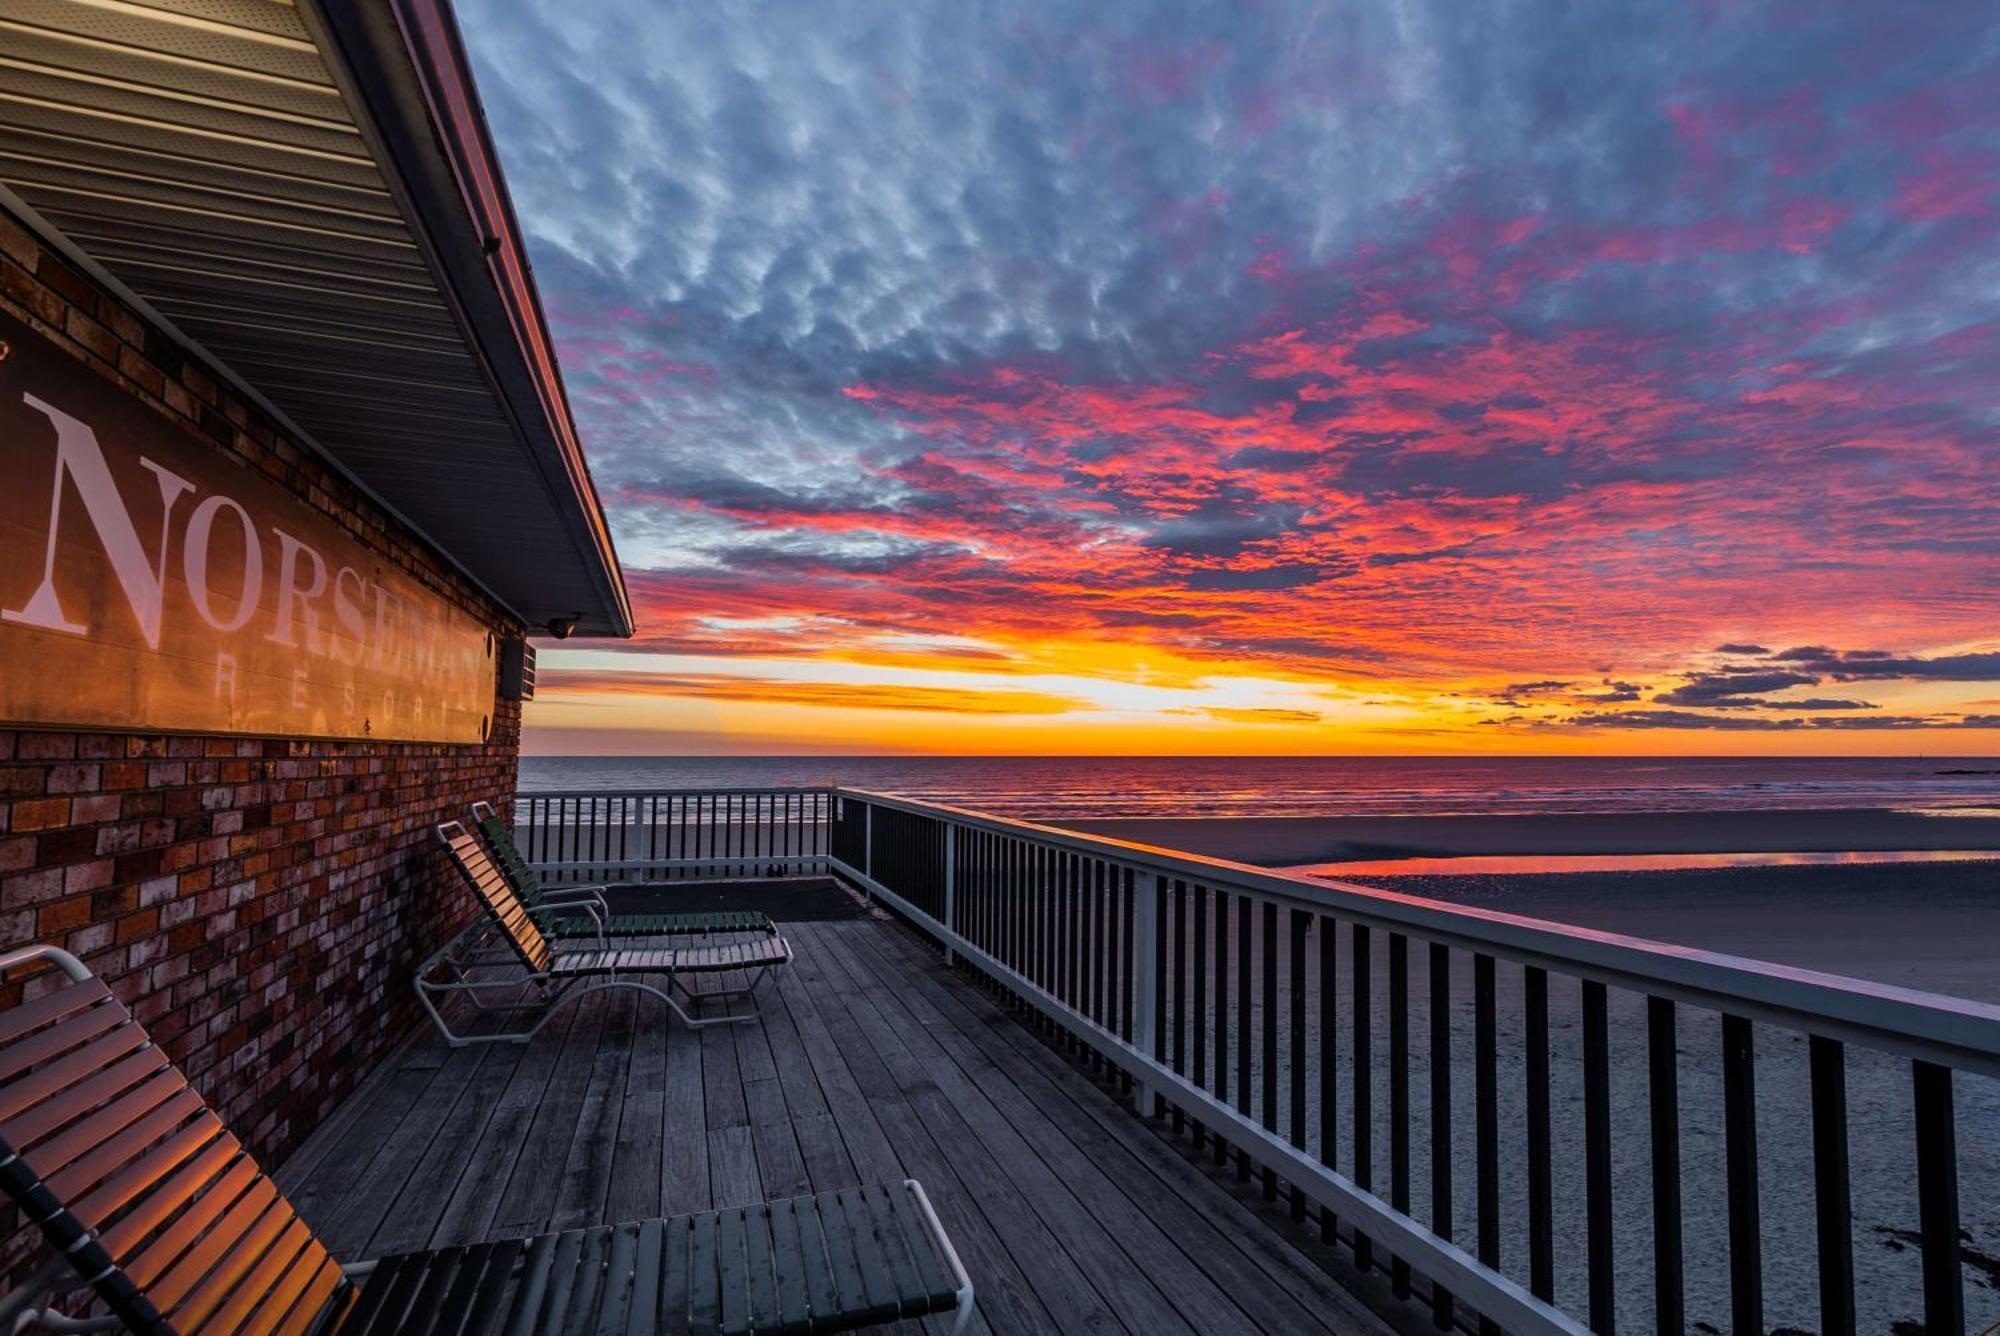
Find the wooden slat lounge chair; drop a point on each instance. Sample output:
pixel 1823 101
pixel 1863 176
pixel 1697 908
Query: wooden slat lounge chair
pixel 146 1198
pixel 593 916
pixel 560 972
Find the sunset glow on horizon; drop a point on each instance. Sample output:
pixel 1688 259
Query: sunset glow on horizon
pixel 1379 379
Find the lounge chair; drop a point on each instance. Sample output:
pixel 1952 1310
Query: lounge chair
pixel 560 972
pixel 146 1197
pixel 596 918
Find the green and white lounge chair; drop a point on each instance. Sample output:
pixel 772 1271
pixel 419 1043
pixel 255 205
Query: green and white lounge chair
pixel 144 1196
pixel 593 916
pixel 558 972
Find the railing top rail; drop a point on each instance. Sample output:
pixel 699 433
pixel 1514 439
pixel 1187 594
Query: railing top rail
pixel 1933 1026
pixel 703 792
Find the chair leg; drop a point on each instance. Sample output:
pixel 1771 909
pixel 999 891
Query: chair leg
pixel 437 1017
pixel 549 1001
pixel 692 1021
pixel 720 994
pixel 552 997
pixel 759 975
pixel 968 1299
pixel 689 1014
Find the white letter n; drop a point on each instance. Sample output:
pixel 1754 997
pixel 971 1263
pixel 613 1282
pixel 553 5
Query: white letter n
pixel 81 460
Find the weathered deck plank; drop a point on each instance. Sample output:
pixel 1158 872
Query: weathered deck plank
pixel 492 1161
pixel 1117 1242
pixel 1037 1218
pixel 870 1060
pixel 871 1111
pixel 397 1157
pixel 586 1177
pixel 642 1120
pixel 414 1217
pixel 684 1137
pixel 1225 1239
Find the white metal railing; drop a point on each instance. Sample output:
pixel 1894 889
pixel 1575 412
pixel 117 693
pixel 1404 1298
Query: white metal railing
pixel 1236 1002
pixel 578 836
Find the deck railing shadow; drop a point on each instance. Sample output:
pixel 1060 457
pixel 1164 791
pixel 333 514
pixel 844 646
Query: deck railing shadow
pixel 1527 1126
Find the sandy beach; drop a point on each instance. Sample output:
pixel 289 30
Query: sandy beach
pixel 1932 926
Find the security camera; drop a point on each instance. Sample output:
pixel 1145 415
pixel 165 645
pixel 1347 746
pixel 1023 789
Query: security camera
pixel 562 628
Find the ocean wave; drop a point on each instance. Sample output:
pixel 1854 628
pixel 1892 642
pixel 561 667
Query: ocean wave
pixel 1075 789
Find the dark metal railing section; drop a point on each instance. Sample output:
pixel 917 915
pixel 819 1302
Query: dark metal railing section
pixel 1213 993
pixel 674 835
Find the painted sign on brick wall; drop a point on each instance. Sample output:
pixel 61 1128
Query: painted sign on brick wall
pixel 150 581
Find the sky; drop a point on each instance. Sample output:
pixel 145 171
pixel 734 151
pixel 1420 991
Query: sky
pixel 1360 377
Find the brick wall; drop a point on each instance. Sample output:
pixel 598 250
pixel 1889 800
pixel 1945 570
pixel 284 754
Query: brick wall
pixel 260 903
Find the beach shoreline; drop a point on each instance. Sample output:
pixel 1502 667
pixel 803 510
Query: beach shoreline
pixel 1292 841
pixel 1928 925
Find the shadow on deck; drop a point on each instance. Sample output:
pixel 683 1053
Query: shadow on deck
pixel 871 1060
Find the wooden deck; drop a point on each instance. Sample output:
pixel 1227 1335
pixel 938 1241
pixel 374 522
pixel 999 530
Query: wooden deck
pixel 871 1060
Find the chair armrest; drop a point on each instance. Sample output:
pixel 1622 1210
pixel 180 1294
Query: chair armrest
pixel 32 1298
pixel 551 911
pixel 595 911
pixel 582 894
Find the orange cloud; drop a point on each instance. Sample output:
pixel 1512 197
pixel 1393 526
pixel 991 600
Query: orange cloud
pixel 824 695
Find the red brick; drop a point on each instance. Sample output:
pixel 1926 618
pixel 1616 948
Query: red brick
pixel 95 808
pixel 61 916
pixel 30 888
pixel 125 325
pixel 72 779
pixel 124 775
pixel 16 244
pixel 66 282
pixel 140 866
pixel 39 814
pixel 199 383
pixel 46 747
pixel 135 926
pixel 69 844
pixel 87 876
pixel 86 331
pixel 109 904
pixel 33 295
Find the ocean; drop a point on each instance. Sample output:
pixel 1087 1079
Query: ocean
pixel 1079 788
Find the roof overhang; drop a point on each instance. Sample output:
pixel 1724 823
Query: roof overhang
pixel 308 197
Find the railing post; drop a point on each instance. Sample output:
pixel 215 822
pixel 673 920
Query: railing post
pixel 868 839
pixel 950 892
pixel 1146 981
pixel 1937 1200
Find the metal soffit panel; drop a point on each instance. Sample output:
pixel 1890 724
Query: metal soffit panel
pixel 202 152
